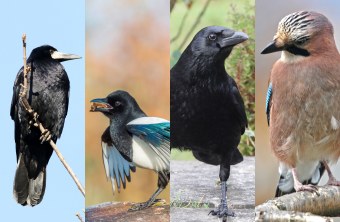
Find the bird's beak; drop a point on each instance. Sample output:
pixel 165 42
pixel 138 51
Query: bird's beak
pixel 272 47
pixel 234 39
pixel 63 56
pixel 100 105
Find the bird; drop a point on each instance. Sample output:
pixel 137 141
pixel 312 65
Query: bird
pixel 48 94
pixel 302 104
pixel 207 111
pixel 133 139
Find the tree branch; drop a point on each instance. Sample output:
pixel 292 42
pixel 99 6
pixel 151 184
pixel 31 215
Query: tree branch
pixel 37 123
pixel 198 19
pixel 325 203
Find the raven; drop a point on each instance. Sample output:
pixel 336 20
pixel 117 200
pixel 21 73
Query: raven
pixel 207 110
pixel 131 140
pixel 48 94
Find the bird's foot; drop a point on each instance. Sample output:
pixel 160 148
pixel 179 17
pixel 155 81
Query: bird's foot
pixel 333 182
pixel 222 211
pixel 309 187
pixel 45 136
pixel 143 205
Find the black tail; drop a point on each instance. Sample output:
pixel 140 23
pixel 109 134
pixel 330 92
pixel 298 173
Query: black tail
pixel 28 191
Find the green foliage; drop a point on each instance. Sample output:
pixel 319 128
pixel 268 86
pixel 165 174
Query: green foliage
pixel 240 64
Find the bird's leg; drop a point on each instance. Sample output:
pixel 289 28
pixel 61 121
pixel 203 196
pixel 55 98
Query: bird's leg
pixel 332 181
pixel 163 179
pixel 222 210
pixel 298 186
pixel 143 205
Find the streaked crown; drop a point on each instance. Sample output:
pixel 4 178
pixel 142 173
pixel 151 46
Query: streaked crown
pixel 298 27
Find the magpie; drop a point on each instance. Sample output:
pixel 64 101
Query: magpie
pixel 133 139
pixel 48 94
pixel 207 111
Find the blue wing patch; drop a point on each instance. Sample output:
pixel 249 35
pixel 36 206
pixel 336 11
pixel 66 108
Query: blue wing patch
pixel 156 134
pixel 268 101
pixel 117 168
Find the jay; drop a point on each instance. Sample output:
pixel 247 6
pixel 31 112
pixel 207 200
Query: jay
pixel 303 101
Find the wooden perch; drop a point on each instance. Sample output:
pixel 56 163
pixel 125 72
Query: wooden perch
pixel 37 123
pixel 118 212
pixel 325 203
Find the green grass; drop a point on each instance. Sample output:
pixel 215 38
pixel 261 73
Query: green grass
pixel 181 155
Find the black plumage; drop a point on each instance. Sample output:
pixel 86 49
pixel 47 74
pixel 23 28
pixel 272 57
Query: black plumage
pixel 48 94
pixel 207 110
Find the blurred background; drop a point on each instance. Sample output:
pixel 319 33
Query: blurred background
pixel 127 48
pixel 61 24
pixel 190 16
pixel 266 26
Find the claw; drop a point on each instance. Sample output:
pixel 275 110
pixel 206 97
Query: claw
pixel 45 136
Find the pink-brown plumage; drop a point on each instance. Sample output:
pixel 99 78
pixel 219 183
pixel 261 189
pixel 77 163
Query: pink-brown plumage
pixel 305 103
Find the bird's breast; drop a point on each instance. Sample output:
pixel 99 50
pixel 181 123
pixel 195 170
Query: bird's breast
pixel 305 113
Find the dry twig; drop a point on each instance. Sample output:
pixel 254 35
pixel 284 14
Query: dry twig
pixel 198 19
pixel 79 217
pixel 37 123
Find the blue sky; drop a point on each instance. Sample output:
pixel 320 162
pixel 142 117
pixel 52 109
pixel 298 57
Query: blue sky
pixel 60 24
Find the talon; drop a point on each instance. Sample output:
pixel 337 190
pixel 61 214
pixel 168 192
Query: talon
pixel 45 136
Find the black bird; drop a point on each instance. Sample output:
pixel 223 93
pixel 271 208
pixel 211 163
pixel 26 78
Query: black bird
pixel 131 140
pixel 48 94
pixel 207 110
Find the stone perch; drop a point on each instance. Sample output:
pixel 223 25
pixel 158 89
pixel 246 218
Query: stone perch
pixel 195 191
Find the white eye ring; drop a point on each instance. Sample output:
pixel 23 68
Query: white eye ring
pixel 212 37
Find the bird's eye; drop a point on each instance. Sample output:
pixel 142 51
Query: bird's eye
pixel 212 37
pixel 117 103
pixel 51 51
pixel 301 41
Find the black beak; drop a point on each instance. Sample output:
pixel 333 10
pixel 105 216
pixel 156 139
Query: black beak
pixel 234 39
pixel 272 47
pixel 100 105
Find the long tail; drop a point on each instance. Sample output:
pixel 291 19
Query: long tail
pixel 28 191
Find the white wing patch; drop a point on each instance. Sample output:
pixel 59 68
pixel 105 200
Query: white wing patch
pixel 146 156
pixel 147 120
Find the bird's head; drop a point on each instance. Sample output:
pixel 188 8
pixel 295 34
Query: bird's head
pixel 301 34
pixel 216 42
pixel 49 52
pixel 117 105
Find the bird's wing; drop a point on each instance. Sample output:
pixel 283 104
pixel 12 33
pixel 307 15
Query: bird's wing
pixel 16 91
pixel 269 101
pixel 117 168
pixel 155 132
pixel 239 104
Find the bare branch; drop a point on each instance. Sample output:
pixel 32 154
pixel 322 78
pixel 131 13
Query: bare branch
pixel 79 217
pixel 37 123
pixel 172 4
pixel 325 203
pixel 198 19
pixel 180 27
